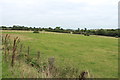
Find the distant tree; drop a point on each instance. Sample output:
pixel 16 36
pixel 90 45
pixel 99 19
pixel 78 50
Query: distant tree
pixel 78 29
pixel 103 32
pixel 50 28
pixel 36 31
pixel 85 29
pixel 30 28
pixel 3 28
pixel 100 32
pixel 57 28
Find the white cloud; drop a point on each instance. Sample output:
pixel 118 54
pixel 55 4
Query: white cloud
pixel 66 13
pixel 95 2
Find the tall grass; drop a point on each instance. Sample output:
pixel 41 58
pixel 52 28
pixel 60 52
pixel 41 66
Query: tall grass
pixel 15 45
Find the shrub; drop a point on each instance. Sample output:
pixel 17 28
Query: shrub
pixel 86 34
pixel 117 36
pixel 35 31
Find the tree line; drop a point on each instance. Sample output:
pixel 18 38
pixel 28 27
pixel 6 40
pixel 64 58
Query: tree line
pixel 85 31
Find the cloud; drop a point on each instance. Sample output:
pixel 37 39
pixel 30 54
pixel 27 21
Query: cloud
pixel 95 2
pixel 66 13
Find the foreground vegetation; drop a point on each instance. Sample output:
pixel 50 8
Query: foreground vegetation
pixel 14 57
pixel 97 55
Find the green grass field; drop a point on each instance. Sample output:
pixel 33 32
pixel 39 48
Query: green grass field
pixel 98 55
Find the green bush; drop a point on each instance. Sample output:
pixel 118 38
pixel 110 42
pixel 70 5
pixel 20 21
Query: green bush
pixel 36 32
pixel 86 34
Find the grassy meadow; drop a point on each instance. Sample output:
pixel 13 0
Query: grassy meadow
pixel 97 54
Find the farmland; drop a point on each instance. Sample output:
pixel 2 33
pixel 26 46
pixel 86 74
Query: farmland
pixel 97 54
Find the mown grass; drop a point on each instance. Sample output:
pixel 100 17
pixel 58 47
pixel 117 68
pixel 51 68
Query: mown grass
pixel 97 54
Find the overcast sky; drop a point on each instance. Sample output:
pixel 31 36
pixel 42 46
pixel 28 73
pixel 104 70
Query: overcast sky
pixel 65 13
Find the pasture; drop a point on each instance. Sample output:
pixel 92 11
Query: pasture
pixel 97 54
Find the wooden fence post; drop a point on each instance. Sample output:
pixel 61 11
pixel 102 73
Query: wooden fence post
pixel 14 50
pixel 38 57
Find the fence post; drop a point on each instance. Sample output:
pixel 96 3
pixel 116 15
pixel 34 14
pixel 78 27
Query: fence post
pixel 21 48
pixel 51 64
pixel 28 51
pixel 38 57
pixel 14 50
